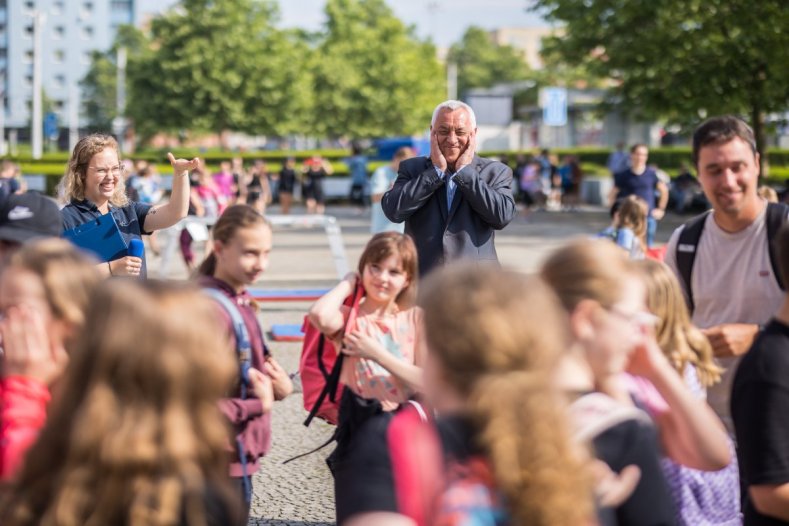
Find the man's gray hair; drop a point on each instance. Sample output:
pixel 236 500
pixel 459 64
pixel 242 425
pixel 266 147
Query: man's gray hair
pixel 453 105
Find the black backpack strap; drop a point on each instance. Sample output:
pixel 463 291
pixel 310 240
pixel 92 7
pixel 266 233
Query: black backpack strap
pixel 332 380
pixel 686 253
pixel 775 218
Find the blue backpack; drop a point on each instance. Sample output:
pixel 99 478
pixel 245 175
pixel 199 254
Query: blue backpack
pixel 244 351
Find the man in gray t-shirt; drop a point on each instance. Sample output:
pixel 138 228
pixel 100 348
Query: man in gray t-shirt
pixel 734 287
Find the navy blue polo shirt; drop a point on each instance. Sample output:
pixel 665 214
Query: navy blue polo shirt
pixel 130 220
pixel 642 185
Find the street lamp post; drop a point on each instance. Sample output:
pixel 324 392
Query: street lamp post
pixel 36 132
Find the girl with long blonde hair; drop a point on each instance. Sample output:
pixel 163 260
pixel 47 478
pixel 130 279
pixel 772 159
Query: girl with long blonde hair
pixel 700 497
pixel 683 343
pixel 135 437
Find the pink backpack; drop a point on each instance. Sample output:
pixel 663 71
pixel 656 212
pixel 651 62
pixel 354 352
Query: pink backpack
pixel 320 366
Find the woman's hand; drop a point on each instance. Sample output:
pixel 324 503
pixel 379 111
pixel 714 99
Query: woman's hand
pixel 181 166
pixel 362 346
pixel 263 388
pixel 27 350
pixel 126 266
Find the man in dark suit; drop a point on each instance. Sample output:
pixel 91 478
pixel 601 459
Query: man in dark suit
pixel 452 201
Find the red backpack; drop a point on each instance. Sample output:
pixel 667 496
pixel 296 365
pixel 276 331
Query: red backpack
pixel 320 366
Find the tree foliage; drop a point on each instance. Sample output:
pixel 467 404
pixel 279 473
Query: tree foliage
pixel 680 59
pixel 221 65
pixel 482 63
pixel 217 65
pixel 100 82
pixel 373 77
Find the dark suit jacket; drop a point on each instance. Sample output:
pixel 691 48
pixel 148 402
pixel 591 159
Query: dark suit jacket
pixel 482 203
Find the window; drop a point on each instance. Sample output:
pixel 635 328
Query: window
pixel 59 32
pixel 28 80
pixel 28 31
pixel 86 57
pixel 28 57
pixel 87 32
pixel 60 81
pixel 57 7
pixel 86 11
pixel 59 56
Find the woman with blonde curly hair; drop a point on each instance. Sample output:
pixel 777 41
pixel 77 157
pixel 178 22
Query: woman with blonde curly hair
pixel 136 437
pixel 94 186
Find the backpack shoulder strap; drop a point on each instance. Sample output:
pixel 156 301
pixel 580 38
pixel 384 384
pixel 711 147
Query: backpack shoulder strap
pixel 417 462
pixel 243 343
pixel 775 218
pixel 686 253
pixel 595 413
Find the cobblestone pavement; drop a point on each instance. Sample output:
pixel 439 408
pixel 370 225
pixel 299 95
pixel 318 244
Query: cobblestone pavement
pixel 300 493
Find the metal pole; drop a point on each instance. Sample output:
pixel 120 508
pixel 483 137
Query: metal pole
pixel 452 81
pixel 3 148
pixel 120 99
pixel 37 132
pixel 73 116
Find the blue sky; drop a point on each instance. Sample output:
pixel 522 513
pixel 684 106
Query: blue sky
pixel 446 20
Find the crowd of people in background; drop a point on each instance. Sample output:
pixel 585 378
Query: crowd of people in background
pixel 610 388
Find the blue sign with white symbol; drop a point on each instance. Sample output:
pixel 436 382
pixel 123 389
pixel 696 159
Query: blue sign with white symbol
pixel 51 125
pixel 554 106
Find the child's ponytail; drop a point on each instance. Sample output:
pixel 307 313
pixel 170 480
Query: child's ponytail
pixel 231 220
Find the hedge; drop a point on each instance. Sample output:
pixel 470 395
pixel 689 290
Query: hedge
pixel 593 160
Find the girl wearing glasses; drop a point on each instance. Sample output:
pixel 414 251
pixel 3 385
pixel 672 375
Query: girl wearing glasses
pixel 94 186
pixel 616 359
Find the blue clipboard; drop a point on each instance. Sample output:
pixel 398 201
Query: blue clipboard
pixel 101 237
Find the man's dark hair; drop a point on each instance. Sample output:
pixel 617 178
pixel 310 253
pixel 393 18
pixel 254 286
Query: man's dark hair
pixel 638 145
pixel 783 252
pixel 720 130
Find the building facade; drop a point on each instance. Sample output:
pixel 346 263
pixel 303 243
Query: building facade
pixel 70 31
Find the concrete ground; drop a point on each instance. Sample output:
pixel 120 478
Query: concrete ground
pixel 300 493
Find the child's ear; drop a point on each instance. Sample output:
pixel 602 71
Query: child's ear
pixel 218 247
pixel 582 320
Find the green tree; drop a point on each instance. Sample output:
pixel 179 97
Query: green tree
pixel 99 84
pixel 221 65
pixel 482 63
pixel 373 77
pixel 681 59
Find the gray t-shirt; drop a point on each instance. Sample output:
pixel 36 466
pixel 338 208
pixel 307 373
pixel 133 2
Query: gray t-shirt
pixel 732 282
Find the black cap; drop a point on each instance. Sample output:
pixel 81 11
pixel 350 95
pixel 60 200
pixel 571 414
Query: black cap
pixel 29 216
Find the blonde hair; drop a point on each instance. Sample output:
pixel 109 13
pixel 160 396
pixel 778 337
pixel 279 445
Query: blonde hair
pixel 73 183
pixel 136 437
pixel 587 269
pixel 497 336
pixel 632 214
pixel 768 193
pixel 67 275
pixel 679 339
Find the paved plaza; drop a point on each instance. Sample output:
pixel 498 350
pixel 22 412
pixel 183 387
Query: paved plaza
pixel 300 493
